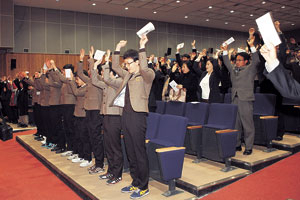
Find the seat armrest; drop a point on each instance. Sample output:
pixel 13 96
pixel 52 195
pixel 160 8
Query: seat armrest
pixel 297 107
pixel 166 149
pixel 194 127
pixel 268 117
pixel 147 141
pixel 226 131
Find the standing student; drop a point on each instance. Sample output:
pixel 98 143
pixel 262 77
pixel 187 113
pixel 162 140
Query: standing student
pixel 111 122
pixel 136 85
pixel 92 105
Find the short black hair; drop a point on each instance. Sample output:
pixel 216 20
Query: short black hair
pixel 131 53
pixel 186 55
pixel 69 66
pixel 244 55
pixel 188 64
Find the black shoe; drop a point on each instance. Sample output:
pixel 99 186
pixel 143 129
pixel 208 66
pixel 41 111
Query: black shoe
pixel 60 151
pixel 248 152
pixel 40 139
pixel 19 124
pixel 239 148
pixel 278 138
pixel 55 148
pixel 24 126
pixel 36 134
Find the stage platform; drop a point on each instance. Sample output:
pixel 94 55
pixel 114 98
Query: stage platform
pixel 290 142
pixel 89 186
pixel 197 179
pixel 205 177
pixel 258 159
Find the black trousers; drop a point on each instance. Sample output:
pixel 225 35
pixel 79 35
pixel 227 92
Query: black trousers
pixel 56 129
pixel 68 125
pixel 112 144
pixel 37 117
pixel 45 123
pixel 134 126
pixel 94 123
pixel 14 115
pixel 82 144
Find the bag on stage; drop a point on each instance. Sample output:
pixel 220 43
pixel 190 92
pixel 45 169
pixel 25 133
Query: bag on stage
pixel 6 131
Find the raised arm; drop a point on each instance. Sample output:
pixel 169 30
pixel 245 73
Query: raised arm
pixel 116 59
pixel 94 76
pixel 226 60
pixel 111 81
pixel 146 72
pixel 196 67
pixel 77 92
pixel 80 73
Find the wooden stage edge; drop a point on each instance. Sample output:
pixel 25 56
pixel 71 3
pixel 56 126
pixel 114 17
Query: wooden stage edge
pixel 83 193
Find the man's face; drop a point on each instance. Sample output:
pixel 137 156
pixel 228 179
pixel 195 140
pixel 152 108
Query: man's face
pixel 240 62
pixel 132 66
pixel 185 59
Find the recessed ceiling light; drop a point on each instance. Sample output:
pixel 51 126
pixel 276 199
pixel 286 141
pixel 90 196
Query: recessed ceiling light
pixel 251 15
pixel 57 0
pixel 154 12
pixel 232 11
pixel 263 2
pixel 207 20
pixel 185 16
pixel 94 4
pixel 226 22
pixel 293 24
pixel 126 8
pixel 177 1
pixel 210 7
pixel 243 25
pixel 282 6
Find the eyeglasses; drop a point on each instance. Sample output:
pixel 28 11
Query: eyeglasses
pixel 127 64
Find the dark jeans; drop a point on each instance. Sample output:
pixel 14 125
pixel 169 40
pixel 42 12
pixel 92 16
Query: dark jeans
pixel 68 124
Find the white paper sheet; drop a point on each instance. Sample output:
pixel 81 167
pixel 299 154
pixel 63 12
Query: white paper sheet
pixel 228 42
pixel 45 66
pixel 180 46
pixel 68 73
pixel 146 29
pixel 240 50
pixel 99 55
pixel 267 29
pixel 120 99
pixel 173 85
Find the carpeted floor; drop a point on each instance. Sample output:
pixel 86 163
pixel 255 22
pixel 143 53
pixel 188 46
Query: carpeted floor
pixel 23 177
pixel 280 181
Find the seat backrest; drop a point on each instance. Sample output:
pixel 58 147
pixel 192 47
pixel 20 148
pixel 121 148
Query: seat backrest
pixel 175 108
pixel 264 104
pixel 152 125
pixel 160 107
pixel 222 114
pixel 172 129
pixel 196 112
pixel 227 98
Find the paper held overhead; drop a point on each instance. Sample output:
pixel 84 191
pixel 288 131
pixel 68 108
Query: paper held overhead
pixel 99 55
pixel 267 29
pixel 45 66
pixel 180 46
pixel 68 73
pixel 228 42
pixel 146 29
pixel 173 85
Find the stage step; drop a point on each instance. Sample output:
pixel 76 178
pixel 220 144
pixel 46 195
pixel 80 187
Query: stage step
pixel 290 142
pixel 258 159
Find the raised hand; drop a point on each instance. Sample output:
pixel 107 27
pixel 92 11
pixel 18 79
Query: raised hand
pixel 143 41
pixel 98 62
pixel 52 64
pixel 91 52
pixel 224 47
pixel 194 44
pixel 277 26
pixel 268 51
pixel 82 52
pixel 121 44
pixel 107 55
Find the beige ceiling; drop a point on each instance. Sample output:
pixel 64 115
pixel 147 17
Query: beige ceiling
pixel 197 11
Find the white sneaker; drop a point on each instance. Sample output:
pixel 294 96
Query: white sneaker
pixel 43 141
pixel 85 163
pixel 77 160
pixel 67 153
pixel 73 156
